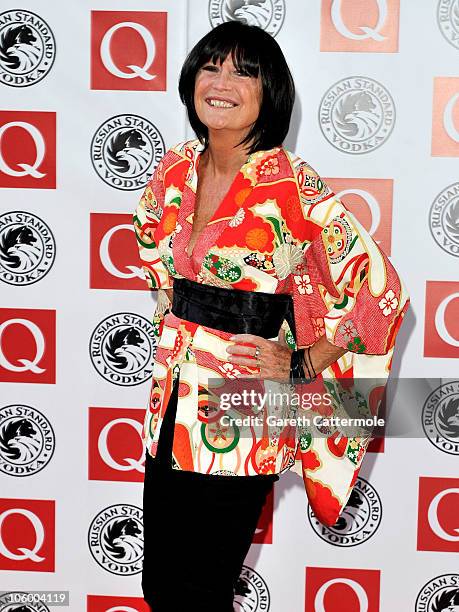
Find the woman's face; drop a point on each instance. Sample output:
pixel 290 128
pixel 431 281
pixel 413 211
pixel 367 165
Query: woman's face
pixel 226 99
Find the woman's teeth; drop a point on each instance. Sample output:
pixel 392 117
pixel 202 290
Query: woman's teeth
pixel 221 103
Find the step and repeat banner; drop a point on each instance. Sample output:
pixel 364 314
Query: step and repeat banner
pixel 88 106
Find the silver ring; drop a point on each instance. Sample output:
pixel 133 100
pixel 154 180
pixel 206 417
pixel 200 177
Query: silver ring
pixel 257 352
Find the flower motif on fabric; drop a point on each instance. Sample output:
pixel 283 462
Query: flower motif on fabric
pixel 356 345
pixel 287 258
pixel 348 330
pixel 229 370
pixel 318 326
pixel 303 284
pixel 238 218
pixel 268 167
pixel 388 303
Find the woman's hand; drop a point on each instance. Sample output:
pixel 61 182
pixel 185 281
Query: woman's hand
pixel 273 356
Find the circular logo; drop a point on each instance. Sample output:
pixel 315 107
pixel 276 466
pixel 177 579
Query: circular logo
pixel 115 539
pixel 27 248
pixel 26 440
pixel 267 14
pixel 359 520
pixel 125 150
pixel 448 20
pixel 357 115
pixel 122 348
pixel 440 417
pixel 441 594
pixel 444 219
pixel 27 48
pixel 251 593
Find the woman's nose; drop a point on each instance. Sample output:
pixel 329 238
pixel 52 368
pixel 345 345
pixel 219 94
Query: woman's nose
pixel 222 80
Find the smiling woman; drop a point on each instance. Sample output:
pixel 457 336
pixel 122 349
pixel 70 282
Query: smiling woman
pixel 270 279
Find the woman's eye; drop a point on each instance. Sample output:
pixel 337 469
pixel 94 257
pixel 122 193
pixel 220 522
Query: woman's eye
pixel 210 68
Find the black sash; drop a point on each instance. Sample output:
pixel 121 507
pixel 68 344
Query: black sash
pixel 232 310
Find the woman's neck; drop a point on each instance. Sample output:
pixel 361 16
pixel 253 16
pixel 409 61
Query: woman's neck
pixel 223 155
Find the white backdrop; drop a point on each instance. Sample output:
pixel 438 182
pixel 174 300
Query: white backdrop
pixel 388 135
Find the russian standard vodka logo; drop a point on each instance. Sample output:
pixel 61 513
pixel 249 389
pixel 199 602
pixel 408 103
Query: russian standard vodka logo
pixel 115 539
pixel 125 151
pixel 27 48
pixel 440 417
pixel 448 20
pixel 21 601
pixel 26 440
pixel 359 520
pixel 444 219
pixel 441 594
pixel 266 14
pixel 251 593
pixel 356 115
pixel 27 248
pixel 122 348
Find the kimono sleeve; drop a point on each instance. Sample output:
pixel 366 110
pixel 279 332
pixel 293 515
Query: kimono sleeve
pixel 146 219
pixel 350 290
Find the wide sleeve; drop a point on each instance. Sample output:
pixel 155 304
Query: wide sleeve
pixel 347 288
pixel 146 219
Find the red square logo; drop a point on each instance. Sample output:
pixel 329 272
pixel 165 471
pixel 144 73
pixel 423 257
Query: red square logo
pixel 370 200
pixel 27 535
pixel 264 531
pixel 116 450
pixel 445 117
pixel 28 149
pixel 336 589
pixel 360 26
pixel 438 514
pixel 111 603
pixel 115 261
pixel 27 345
pixel 441 329
pixel 128 50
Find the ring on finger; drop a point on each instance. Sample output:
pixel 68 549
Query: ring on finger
pixel 257 353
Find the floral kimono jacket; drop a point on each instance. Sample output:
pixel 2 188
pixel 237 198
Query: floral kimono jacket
pixel 279 229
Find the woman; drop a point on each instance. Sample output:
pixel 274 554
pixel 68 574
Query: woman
pixel 236 230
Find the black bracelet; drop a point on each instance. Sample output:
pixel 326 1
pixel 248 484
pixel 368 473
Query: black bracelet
pixel 296 367
pixel 310 367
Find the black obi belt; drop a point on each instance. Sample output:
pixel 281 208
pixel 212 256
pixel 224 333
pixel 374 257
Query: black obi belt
pixel 232 310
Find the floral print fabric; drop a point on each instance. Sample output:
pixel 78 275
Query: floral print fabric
pixel 279 229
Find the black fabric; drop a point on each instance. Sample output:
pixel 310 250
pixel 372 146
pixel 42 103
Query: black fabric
pixel 198 529
pixel 232 310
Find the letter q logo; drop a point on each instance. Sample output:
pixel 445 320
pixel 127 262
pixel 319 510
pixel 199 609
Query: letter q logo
pixel 438 514
pixel 116 449
pixel 107 603
pixel 345 27
pixel 27 345
pixel 338 589
pixel 115 262
pixel 128 50
pixel 27 535
pixel 441 329
pixel 445 117
pixel 28 149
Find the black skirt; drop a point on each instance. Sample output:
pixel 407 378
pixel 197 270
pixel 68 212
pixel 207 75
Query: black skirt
pixel 198 529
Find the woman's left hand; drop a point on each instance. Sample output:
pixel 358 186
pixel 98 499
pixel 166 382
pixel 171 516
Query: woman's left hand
pixel 273 357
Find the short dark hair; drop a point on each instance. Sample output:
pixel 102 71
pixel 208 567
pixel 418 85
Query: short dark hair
pixel 253 52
